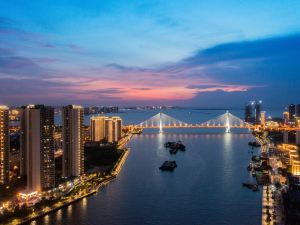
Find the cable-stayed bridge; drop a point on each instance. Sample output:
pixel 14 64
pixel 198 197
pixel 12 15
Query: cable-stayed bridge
pixel 226 120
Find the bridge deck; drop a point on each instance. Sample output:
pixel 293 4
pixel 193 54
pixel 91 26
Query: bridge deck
pixel 194 126
pixel 227 120
pixel 234 127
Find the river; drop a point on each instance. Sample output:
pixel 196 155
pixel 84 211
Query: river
pixel 205 189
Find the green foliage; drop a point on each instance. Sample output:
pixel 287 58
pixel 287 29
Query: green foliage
pixel 99 156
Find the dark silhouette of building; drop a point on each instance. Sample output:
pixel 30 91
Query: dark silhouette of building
pixel 292 111
pixel 248 113
pixel 298 110
pixel 257 111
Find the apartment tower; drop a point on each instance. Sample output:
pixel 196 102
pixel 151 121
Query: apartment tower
pixel 73 145
pixel 4 145
pixel 37 147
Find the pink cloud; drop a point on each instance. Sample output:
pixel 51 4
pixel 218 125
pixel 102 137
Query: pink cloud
pixel 152 84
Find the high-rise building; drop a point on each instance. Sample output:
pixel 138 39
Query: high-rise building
pixel 248 113
pixel 113 129
pixel 292 111
pixel 109 129
pixel 117 128
pixel 263 118
pixel 257 112
pixel 73 141
pixel 298 111
pixel 286 117
pixel 97 128
pixel 106 128
pixel 4 145
pixel 37 146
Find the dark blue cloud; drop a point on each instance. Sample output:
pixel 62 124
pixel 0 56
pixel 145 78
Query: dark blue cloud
pixel 271 63
pixel 19 66
pixel 270 47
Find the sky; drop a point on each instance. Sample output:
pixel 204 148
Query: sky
pixel 137 52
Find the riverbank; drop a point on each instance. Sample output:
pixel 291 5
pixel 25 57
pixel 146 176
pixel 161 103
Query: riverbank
pixel 73 199
pixel 48 210
pixel 271 195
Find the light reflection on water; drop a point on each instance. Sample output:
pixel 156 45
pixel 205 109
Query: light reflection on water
pixel 205 188
pixel 46 219
pixel 58 215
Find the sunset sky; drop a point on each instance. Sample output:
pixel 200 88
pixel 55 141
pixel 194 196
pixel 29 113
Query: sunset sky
pixel 189 53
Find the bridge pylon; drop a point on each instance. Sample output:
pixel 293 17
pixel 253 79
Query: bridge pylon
pixel 227 124
pixel 160 124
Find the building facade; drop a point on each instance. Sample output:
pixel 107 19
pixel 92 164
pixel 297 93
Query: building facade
pixel 263 118
pixel 298 110
pixel 73 141
pixel 292 111
pixel 117 123
pixel 4 145
pixel 113 129
pixel 106 128
pixel 37 147
pixel 97 128
pixel 258 112
pixel 248 113
pixel 286 117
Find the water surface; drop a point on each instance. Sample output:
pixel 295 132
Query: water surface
pixel 205 188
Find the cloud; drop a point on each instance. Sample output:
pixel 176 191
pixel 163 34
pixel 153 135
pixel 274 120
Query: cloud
pixel 48 46
pixel 142 89
pixel 19 66
pixel 228 73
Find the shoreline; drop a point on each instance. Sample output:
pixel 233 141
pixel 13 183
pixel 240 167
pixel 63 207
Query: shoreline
pixel 268 202
pixel 114 173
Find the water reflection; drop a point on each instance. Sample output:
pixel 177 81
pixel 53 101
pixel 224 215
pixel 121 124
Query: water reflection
pixel 84 205
pixel 206 186
pixel 46 220
pixel 69 210
pixel 58 215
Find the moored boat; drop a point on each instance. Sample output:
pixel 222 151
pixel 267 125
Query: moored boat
pixel 168 165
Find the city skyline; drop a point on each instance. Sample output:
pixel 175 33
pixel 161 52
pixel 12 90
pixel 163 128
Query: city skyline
pixel 142 53
pixel 150 112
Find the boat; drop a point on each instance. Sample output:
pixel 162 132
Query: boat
pixel 249 167
pixel 173 150
pixel 168 166
pixel 254 144
pixel 175 145
pixel 169 144
pixel 253 187
pixel 181 147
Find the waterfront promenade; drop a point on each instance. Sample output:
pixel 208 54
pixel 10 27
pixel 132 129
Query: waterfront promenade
pixel 272 212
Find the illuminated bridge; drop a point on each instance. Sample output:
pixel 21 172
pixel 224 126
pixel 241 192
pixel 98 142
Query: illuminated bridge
pixel 162 120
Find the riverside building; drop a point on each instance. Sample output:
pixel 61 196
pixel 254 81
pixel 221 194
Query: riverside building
pixel 106 128
pixel 73 141
pixel 37 147
pixel 4 145
pixel 98 128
